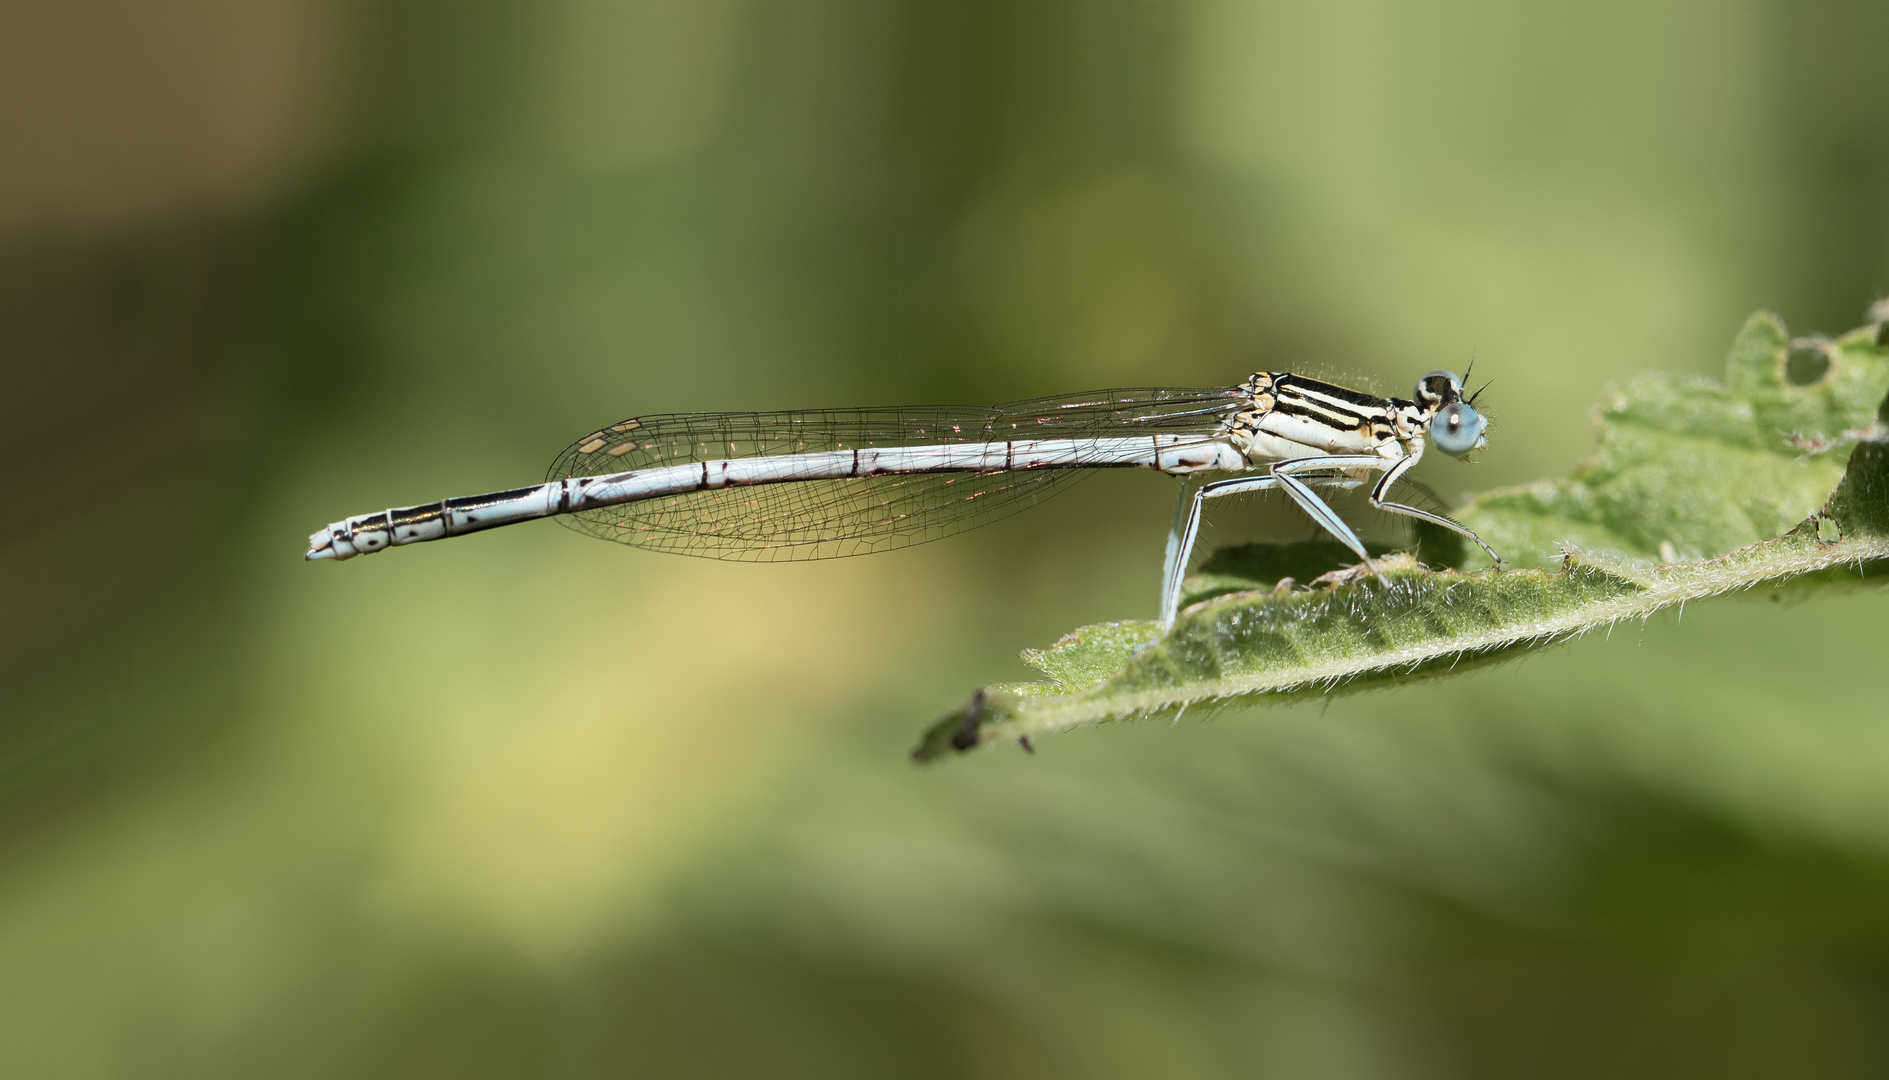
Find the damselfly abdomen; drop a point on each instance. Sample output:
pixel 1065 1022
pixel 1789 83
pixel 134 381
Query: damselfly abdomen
pixel 826 483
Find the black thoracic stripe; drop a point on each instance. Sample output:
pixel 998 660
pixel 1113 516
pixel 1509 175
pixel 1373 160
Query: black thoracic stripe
pixel 1330 390
pixel 1321 412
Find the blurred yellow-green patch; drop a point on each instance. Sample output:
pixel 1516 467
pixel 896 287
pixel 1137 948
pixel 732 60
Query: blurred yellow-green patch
pixel 527 805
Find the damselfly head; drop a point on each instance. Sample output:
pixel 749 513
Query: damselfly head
pixel 1456 427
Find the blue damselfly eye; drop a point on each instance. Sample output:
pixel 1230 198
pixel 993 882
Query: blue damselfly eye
pixel 1457 429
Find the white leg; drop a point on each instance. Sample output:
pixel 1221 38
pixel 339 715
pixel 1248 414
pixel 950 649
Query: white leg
pixel 1186 531
pixel 1383 488
pixel 1172 568
pixel 1325 516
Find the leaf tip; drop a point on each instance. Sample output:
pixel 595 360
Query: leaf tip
pixel 960 730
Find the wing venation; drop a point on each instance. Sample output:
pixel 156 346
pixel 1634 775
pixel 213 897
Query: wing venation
pixel 832 518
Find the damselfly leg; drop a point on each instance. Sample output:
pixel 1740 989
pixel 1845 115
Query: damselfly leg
pixel 1186 531
pixel 1338 471
pixel 1383 488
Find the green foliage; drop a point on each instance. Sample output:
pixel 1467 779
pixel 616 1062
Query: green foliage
pixel 1688 468
pixel 1699 488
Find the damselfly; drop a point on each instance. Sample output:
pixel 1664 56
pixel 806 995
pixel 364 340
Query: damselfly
pixel 826 483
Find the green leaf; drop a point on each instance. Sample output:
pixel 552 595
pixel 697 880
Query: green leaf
pixel 1699 488
pixel 1689 468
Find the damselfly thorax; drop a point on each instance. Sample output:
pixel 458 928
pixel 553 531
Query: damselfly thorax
pixel 826 483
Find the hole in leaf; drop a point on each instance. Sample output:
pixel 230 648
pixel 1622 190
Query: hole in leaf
pixel 1806 365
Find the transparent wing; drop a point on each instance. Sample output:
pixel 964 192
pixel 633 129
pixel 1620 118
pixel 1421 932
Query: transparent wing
pixel 820 519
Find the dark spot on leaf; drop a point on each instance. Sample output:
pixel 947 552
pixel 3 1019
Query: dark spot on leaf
pixel 1806 365
pixel 966 735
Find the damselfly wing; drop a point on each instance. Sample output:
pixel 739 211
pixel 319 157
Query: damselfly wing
pixel 904 505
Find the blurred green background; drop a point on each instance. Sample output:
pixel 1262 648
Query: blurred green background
pixel 531 805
